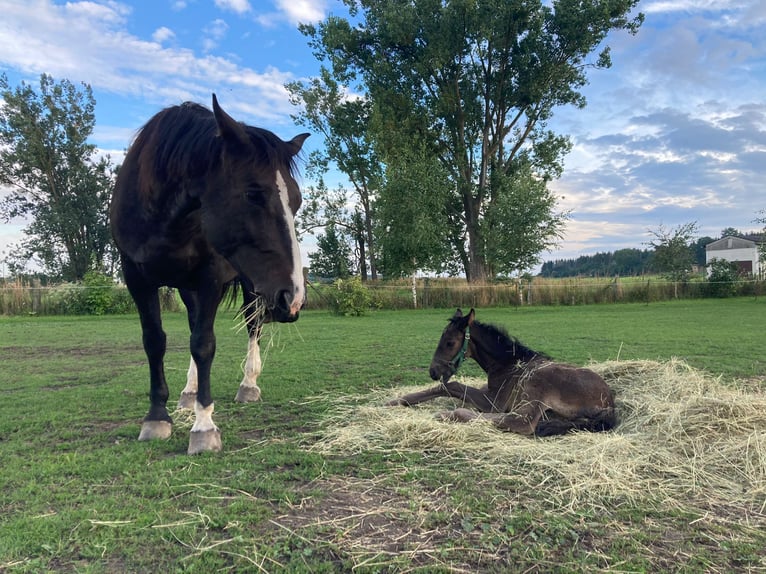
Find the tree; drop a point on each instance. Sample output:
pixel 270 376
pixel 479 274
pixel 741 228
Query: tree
pixel 54 177
pixel 477 82
pixel 700 250
pixel 333 255
pixel 342 121
pixel 674 252
pixel 413 224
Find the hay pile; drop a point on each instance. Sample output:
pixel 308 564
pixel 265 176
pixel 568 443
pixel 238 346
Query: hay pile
pixel 684 436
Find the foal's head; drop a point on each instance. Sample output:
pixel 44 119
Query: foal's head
pixel 452 347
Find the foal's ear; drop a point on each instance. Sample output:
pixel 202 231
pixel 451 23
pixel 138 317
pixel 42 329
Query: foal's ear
pixel 228 128
pixel 471 315
pixel 458 313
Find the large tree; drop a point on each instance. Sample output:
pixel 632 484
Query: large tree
pixel 54 177
pixel 477 81
pixel 342 120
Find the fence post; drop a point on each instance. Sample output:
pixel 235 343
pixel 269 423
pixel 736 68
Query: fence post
pixel 36 295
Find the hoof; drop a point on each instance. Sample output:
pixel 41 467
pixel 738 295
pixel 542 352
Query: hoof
pixel 204 441
pixel 187 400
pixel 458 416
pixel 152 430
pixel 248 394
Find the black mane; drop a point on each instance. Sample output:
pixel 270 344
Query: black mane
pixel 181 142
pixel 498 343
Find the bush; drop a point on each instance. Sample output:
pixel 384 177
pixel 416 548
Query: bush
pixel 721 281
pixel 351 297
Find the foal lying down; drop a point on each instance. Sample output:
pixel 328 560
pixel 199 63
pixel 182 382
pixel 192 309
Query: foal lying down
pixel 526 392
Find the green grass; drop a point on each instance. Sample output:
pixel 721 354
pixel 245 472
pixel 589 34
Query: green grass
pixel 80 494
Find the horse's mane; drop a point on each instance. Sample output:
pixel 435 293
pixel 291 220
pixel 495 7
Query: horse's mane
pixel 182 143
pixel 498 343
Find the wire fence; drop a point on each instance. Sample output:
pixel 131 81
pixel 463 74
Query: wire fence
pixel 17 298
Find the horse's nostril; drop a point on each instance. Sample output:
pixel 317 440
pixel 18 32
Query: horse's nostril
pixel 285 299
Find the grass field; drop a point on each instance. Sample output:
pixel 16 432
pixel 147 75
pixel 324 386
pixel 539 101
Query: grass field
pixel 81 494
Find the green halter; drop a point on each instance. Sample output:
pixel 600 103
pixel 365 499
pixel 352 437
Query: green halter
pixel 458 359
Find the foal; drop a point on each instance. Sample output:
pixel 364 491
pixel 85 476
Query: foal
pixel 526 392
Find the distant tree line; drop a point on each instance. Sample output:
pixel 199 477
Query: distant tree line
pixel 621 262
pixel 633 261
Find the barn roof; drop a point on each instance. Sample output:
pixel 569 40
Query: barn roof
pixel 733 242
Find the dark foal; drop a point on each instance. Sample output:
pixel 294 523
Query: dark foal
pixel 526 392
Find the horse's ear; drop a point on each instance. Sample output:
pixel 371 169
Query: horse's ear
pixel 458 313
pixel 297 143
pixel 228 128
pixel 471 315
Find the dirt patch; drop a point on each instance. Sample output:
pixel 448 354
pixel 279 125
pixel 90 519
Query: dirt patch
pixel 370 523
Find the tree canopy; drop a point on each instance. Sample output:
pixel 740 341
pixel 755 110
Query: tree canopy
pixel 474 84
pixel 54 178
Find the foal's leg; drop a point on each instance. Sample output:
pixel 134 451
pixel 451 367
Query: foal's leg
pixel 477 398
pixel 522 421
pixel 248 391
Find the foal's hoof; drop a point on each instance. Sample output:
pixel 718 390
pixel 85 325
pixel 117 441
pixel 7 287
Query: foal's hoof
pixel 457 416
pixel 248 394
pixel 151 430
pixel 204 441
pixel 187 400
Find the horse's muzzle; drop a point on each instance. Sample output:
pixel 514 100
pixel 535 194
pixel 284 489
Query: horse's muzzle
pixel 286 309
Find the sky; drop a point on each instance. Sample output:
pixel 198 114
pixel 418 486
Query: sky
pixel 674 132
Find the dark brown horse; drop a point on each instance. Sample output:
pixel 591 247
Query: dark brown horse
pixel 526 392
pixel 204 203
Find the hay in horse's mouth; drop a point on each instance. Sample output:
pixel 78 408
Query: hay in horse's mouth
pixel 683 434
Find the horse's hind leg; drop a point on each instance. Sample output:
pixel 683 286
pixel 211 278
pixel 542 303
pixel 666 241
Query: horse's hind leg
pixel 189 393
pixel 248 391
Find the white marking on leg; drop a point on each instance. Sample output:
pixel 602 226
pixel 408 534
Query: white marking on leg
pixel 191 379
pixel 203 418
pixel 252 363
pixel 297 275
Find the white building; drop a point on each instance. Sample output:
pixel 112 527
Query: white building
pixel 744 252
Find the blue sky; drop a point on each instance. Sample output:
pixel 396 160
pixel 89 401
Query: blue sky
pixel 674 132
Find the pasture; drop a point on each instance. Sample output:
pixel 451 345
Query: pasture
pixel 318 477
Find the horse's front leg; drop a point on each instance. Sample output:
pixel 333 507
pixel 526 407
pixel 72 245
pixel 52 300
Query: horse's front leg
pixel 157 424
pixel 248 391
pixel 204 435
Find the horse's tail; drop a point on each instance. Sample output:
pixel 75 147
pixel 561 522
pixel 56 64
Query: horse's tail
pixel 602 420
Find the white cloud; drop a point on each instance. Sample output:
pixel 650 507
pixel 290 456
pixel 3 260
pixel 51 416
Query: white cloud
pixel 86 42
pixel 238 6
pixel 163 34
pixel 302 11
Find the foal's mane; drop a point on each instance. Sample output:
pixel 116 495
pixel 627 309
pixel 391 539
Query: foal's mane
pixel 182 143
pixel 498 343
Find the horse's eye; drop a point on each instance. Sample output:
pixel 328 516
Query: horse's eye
pixel 256 195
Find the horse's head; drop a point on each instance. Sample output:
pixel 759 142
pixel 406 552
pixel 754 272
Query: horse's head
pixel 452 347
pixel 248 213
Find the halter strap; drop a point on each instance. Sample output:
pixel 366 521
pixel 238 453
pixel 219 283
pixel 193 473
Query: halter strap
pixel 458 359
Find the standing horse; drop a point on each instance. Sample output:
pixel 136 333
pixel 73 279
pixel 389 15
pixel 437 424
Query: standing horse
pixel 526 392
pixel 204 203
